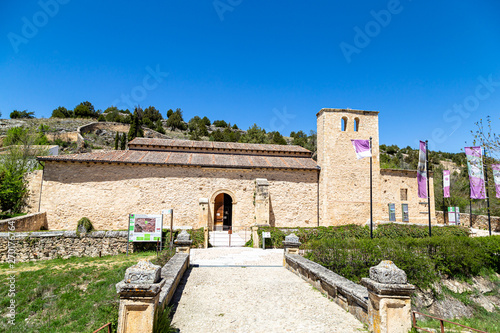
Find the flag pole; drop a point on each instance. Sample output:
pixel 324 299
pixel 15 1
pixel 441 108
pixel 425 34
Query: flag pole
pixel 371 191
pixel 486 190
pixel 428 189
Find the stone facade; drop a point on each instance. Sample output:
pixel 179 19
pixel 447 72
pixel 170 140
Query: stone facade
pixel 344 185
pixel 400 187
pixel 107 193
pixel 269 184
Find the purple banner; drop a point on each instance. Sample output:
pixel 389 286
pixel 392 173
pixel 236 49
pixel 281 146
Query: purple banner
pixel 496 177
pixel 362 148
pixel 446 183
pixel 422 172
pixel 476 176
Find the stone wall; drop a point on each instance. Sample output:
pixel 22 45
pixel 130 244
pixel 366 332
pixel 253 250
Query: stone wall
pixel 63 244
pixel 345 180
pixel 34 180
pixel 392 182
pixel 64 136
pixel 351 296
pixel 478 221
pixel 107 193
pixel 30 222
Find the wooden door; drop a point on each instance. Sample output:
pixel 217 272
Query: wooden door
pixel 219 211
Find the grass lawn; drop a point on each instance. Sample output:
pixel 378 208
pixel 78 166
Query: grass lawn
pixel 65 295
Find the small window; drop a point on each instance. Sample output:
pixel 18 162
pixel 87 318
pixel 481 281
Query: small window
pixel 343 124
pixel 356 124
pixel 404 208
pixel 392 212
pixel 404 194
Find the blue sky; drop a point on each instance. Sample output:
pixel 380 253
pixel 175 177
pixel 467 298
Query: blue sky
pixel 431 68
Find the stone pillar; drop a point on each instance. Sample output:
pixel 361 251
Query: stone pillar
pixel 183 243
pixel 389 303
pixel 206 236
pixel 291 244
pixel 139 295
pixel 203 213
pixel 261 201
pixel 255 237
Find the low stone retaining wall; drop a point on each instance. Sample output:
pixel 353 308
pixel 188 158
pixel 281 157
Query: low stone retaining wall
pixel 30 222
pixel 478 221
pixel 172 272
pixel 350 296
pixel 63 244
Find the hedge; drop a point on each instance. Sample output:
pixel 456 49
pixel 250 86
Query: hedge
pixel 424 260
pixel 307 235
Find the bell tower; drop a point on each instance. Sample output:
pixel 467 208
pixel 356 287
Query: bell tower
pixel 344 185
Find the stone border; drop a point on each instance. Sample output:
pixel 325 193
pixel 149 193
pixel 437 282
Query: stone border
pixel 172 272
pixel 350 296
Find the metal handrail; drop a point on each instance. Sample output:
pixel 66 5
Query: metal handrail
pixel 100 328
pixel 441 321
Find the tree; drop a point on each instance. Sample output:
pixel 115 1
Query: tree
pixel 61 112
pixel 135 127
pixel 117 140
pixel 255 134
pixel 18 159
pixel 175 121
pixel 159 127
pixel 152 113
pixel 169 113
pixel 22 114
pixel 124 142
pixel 85 110
pixel 277 138
pixel 206 121
pixel 220 123
pixel 485 137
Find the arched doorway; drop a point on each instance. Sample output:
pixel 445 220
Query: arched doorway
pixel 223 212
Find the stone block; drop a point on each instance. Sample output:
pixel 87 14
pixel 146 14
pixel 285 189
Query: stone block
pixel 143 272
pixel 387 272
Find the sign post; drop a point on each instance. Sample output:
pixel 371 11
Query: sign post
pixel 264 236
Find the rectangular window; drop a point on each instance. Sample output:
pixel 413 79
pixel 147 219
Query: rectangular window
pixel 392 212
pixel 404 208
pixel 404 194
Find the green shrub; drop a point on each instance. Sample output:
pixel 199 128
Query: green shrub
pixel 424 260
pixel 86 224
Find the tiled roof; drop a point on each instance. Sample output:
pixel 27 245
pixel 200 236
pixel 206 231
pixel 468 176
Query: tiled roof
pixel 215 160
pixel 221 147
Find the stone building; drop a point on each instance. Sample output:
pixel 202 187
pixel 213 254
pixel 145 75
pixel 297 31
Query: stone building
pixel 219 184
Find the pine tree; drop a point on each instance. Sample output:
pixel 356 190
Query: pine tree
pixel 117 140
pixel 124 142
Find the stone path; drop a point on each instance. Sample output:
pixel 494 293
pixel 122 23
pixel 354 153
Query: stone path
pixel 249 290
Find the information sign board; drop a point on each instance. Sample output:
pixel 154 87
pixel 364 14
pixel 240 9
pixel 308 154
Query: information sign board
pixel 266 234
pixel 145 228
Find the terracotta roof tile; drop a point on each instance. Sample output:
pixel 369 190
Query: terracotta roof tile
pixel 190 159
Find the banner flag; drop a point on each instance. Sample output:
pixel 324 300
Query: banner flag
pixel 362 148
pixel 422 172
pixel 496 176
pixel 476 175
pixel 446 183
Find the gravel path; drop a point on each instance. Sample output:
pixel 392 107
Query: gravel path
pixel 254 294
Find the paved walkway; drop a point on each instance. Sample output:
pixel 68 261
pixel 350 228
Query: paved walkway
pixel 249 290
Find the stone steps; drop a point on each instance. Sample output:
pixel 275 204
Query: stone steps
pixel 222 239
